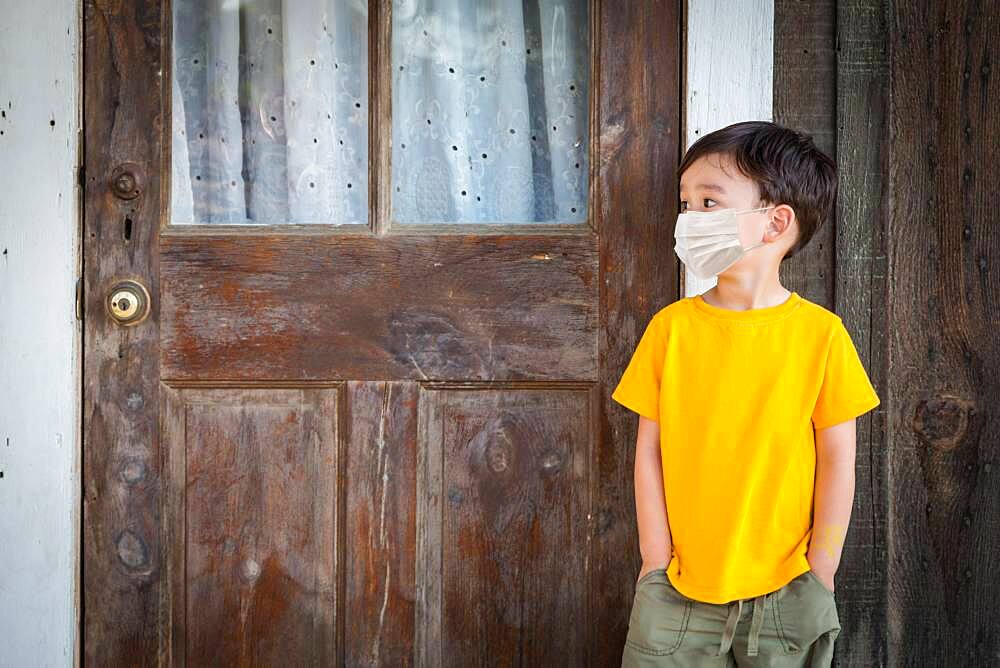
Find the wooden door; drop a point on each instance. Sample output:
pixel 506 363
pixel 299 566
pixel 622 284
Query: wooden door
pixel 367 444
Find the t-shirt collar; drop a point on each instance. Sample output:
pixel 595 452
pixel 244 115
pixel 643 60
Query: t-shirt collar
pixel 749 315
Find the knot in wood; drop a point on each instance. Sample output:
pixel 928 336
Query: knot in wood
pixel 133 470
pixel 250 570
pixel 943 421
pixel 132 550
pixel 551 461
pixel 498 456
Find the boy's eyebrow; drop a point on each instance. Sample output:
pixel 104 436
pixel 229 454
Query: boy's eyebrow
pixel 710 186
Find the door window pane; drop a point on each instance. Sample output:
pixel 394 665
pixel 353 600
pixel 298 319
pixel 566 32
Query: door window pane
pixel 489 111
pixel 270 111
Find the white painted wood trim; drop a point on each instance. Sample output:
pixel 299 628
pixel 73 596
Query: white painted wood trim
pixel 730 64
pixel 40 339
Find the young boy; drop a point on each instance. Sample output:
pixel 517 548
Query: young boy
pixel 747 396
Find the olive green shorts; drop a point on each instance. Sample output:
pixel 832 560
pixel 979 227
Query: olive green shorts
pixel 795 625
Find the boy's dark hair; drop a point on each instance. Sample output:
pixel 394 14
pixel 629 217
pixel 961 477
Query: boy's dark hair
pixel 786 166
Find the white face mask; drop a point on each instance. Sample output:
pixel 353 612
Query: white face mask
pixel 708 242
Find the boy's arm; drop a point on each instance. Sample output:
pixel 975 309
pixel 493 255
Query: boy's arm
pixel 833 498
pixel 650 505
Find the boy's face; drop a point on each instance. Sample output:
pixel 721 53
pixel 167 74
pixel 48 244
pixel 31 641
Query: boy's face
pixel 713 182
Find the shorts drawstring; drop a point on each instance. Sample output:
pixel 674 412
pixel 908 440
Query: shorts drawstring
pixel 735 610
pixel 727 635
pixel 755 623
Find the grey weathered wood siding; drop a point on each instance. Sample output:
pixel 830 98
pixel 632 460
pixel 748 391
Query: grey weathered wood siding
pixel 904 95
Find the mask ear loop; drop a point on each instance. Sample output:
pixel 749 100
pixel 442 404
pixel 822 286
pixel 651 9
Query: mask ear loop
pixel 759 243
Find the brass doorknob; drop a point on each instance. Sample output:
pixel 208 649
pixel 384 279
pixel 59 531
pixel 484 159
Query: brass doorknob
pixel 128 302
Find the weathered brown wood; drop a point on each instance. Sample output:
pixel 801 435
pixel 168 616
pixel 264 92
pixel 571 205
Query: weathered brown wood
pixel 638 93
pixel 439 307
pixel 122 579
pixel 943 352
pixel 347 333
pixel 502 527
pixel 381 522
pixel 252 517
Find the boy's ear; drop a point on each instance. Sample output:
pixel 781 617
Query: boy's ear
pixel 782 219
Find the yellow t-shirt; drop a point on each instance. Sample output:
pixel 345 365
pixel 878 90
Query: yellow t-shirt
pixel 737 395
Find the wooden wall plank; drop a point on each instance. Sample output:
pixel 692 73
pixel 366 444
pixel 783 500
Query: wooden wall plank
pixel 944 357
pixel 909 273
pixel 828 57
pixel 805 98
pixel 638 88
pixel 860 294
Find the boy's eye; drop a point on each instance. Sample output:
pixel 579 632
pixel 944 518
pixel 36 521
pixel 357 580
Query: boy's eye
pixel 705 203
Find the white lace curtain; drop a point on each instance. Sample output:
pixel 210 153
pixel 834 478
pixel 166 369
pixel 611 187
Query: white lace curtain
pixel 270 111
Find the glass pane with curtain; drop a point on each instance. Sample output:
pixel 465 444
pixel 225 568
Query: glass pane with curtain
pixel 270 112
pixel 490 111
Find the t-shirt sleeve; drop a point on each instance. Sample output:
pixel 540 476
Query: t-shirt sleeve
pixel 846 391
pixel 639 387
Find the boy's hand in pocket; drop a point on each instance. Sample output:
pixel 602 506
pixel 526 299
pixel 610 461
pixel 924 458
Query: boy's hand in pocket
pixel 647 567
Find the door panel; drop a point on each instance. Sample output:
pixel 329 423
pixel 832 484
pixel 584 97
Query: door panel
pixel 430 307
pixel 502 524
pixel 380 573
pixel 252 519
pixel 382 443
